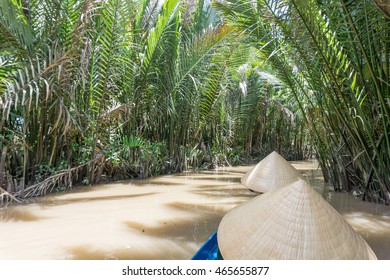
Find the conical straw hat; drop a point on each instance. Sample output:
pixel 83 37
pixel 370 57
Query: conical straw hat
pixel 270 173
pixel 290 223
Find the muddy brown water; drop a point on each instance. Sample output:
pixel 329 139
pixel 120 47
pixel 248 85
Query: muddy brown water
pixel 167 217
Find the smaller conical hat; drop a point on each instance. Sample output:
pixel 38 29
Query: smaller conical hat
pixel 291 223
pixel 270 173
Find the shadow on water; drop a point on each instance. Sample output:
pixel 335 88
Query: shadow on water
pixel 228 192
pixel 231 180
pixel 14 214
pixel 156 182
pixel 181 231
pixel 214 174
pixel 196 229
pixel 56 202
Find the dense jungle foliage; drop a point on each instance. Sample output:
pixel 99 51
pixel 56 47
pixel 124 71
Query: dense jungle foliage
pixel 95 90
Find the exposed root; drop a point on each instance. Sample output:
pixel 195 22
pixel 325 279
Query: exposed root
pixel 62 178
pixel 6 197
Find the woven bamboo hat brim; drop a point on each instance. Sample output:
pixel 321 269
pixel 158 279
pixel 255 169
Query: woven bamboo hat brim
pixel 271 173
pixel 290 223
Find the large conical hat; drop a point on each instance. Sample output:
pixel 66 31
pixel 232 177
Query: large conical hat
pixel 270 173
pixel 290 223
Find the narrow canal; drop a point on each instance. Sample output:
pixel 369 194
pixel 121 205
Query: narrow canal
pixel 167 217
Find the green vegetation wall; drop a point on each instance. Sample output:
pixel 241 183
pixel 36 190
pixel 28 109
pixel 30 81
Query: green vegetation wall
pixel 94 90
pixel 334 56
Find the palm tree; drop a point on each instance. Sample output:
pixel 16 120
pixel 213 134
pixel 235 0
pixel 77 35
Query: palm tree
pixel 130 89
pixel 331 56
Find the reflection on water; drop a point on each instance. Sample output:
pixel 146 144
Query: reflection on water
pixel 167 217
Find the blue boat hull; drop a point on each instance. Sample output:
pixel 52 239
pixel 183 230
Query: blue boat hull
pixel 209 250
